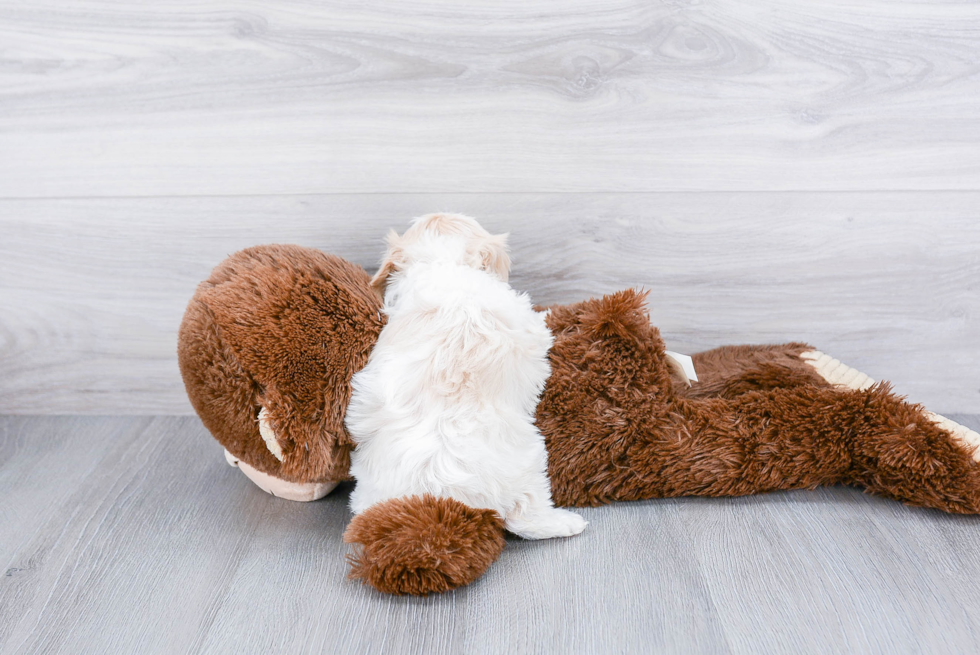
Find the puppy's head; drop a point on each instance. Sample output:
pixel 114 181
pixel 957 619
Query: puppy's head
pixel 441 236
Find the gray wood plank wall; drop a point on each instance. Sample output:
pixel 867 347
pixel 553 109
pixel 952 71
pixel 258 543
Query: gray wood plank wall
pixel 770 171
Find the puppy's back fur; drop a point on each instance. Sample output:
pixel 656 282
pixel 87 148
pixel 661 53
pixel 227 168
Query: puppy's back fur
pixel 445 405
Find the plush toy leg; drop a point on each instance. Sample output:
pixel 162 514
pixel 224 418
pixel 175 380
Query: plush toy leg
pixel 729 371
pixel 900 451
pixel 842 376
pixel 803 438
pixel 279 487
pixel 936 476
pixel 422 545
pixel 919 457
pixel 780 439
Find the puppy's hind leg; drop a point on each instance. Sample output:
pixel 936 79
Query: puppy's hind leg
pixel 536 517
pixel 545 523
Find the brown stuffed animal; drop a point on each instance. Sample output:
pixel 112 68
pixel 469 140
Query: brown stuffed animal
pixel 270 341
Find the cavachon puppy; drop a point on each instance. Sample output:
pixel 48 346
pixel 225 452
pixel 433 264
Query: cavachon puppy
pixel 445 405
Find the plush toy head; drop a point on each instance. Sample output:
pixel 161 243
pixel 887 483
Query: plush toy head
pixel 280 328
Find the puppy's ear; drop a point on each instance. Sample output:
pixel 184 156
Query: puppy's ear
pixel 494 257
pixel 394 257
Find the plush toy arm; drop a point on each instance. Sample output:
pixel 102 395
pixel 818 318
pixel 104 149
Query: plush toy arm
pixel 423 544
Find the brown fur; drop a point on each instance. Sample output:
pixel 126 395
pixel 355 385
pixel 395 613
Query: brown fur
pixel 283 327
pixel 287 327
pixel 618 428
pixel 729 371
pixel 422 545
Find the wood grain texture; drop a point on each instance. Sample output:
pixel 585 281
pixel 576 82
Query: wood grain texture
pixel 769 170
pixel 294 96
pixel 131 535
pixel 93 290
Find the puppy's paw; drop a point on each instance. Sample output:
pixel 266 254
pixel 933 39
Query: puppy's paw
pixel 547 525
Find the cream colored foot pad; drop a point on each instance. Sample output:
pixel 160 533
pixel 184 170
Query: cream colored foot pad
pixel 836 373
pixel 842 375
pixel 281 488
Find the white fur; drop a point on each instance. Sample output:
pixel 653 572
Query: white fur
pixel 445 405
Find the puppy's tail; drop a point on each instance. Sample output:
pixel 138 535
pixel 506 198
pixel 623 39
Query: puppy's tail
pixel 423 544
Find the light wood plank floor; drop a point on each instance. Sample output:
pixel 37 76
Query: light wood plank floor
pixel 131 535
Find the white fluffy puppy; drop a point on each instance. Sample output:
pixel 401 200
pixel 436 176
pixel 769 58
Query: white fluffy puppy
pixel 445 405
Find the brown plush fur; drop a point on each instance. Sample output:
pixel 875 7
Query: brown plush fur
pixel 286 327
pixel 618 429
pixel 282 327
pixel 422 545
pixel 729 371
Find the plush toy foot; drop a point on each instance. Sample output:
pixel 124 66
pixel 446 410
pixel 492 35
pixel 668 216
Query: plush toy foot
pixel 547 525
pixel 841 375
pixel 282 488
pixel 422 545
